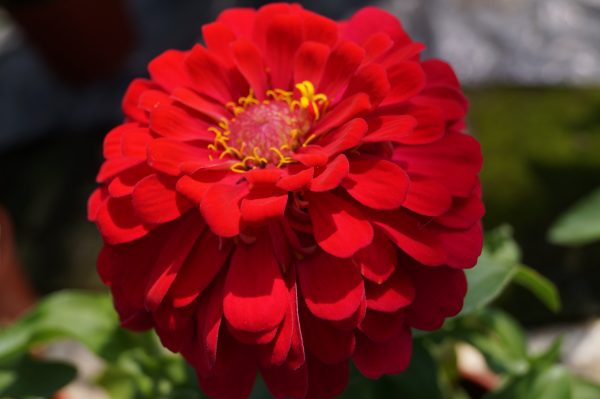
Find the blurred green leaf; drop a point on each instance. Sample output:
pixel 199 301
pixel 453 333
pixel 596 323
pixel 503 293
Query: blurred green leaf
pixel 583 389
pixel 27 377
pixel 84 316
pixel 498 337
pixel 495 269
pixel 580 224
pixel 539 285
pixel 550 383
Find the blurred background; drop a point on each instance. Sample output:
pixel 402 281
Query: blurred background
pixel 531 69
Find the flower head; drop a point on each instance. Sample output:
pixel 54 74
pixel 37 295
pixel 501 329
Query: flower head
pixel 296 195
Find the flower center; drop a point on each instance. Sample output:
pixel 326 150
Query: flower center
pixel 268 131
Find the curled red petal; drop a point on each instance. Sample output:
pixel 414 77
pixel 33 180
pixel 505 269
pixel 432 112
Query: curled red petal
pixel 332 287
pixel 374 359
pixel 256 296
pixel 338 226
pixel 377 183
pixel 220 208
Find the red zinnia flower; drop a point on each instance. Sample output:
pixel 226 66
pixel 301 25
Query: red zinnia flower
pixel 296 194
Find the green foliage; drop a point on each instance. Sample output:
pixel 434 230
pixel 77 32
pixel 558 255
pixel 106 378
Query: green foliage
pixel 498 265
pixel 580 225
pixel 28 377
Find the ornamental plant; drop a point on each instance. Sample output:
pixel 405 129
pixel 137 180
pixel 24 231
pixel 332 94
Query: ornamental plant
pixel 295 195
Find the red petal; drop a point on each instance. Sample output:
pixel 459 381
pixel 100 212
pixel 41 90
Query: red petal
pixel 117 222
pixel 174 252
pixel 193 187
pixel 343 61
pixel 256 296
pixel 111 147
pixel 167 70
pixel 253 338
pixel 450 101
pixel 454 161
pixel 283 382
pixel 234 364
pixel 440 294
pixel 173 122
pixel 381 326
pixel 372 19
pixel 166 155
pixel 283 37
pixel 376 359
pixel 220 208
pixel 202 352
pixel 390 128
pixel 200 104
pixel 95 202
pixel 344 138
pixel 392 295
pixel 310 61
pixel 324 341
pixel 174 326
pixel 378 260
pixel 465 212
pixel 318 28
pixel 239 20
pixel 332 176
pixel 407 79
pixel 122 185
pixel 250 63
pixel 376 45
pixel 267 176
pixel 155 200
pixel 277 352
pixel 263 203
pixel 311 156
pixel 440 73
pixel 131 100
pixel 209 75
pixel 332 288
pixel 411 236
pixel 427 197
pixel 217 37
pixel 112 167
pixel 345 110
pixel 152 99
pixel 135 142
pixel 371 79
pixel 338 226
pixel 378 184
pixel 463 247
pixel 203 263
pixel 326 381
pixel 297 181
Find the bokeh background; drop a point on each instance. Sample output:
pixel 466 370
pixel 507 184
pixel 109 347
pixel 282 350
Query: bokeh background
pixel 530 68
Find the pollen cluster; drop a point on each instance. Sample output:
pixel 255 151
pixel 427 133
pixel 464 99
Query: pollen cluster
pixel 268 131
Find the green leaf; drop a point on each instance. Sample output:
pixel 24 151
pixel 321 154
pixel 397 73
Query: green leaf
pixel 84 316
pixel 33 378
pixel 580 225
pixel 539 285
pixel 583 389
pixel 495 269
pixel 551 383
pixel 498 337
